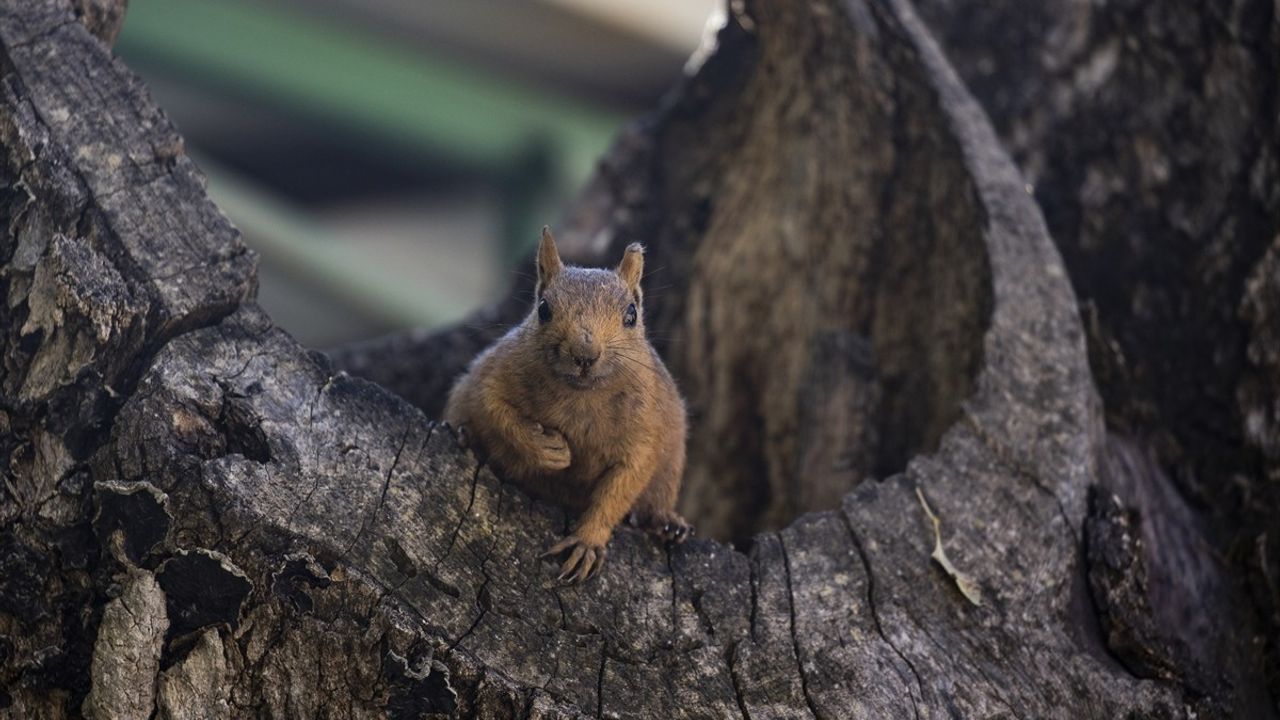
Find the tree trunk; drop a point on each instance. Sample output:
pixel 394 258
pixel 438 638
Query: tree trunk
pixel 858 296
pixel 1151 133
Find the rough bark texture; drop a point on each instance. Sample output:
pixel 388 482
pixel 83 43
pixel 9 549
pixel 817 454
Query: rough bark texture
pixel 1151 132
pixel 126 655
pixel 858 276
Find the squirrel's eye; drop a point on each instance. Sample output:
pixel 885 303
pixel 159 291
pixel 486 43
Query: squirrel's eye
pixel 629 317
pixel 544 311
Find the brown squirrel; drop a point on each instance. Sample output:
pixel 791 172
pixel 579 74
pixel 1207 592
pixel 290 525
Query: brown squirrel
pixel 575 406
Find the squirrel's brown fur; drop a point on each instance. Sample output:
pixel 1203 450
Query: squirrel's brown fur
pixel 575 406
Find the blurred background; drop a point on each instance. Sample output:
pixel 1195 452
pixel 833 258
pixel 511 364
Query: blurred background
pixel 390 160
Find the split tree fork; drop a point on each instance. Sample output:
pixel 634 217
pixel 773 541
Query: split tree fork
pixel 857 292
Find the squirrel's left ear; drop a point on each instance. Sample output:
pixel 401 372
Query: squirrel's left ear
pixel 632 267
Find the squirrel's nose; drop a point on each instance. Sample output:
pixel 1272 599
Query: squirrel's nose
pixel 585 352
pixel 584 361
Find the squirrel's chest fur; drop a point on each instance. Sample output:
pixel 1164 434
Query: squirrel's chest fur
pixel 598 424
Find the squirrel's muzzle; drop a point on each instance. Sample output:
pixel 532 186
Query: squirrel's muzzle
pixel 584 351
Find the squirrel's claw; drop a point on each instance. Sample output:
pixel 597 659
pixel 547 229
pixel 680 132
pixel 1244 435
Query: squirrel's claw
pixel 579 553
pixel 583 563
pixel 560 547
pixel 668 527
pixel 678 533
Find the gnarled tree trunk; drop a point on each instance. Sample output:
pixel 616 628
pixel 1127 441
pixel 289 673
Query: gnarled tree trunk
pixel 1151 134
pixel 853 287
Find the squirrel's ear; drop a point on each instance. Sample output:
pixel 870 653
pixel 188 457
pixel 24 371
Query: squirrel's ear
pixel 549 264
pixel 632 267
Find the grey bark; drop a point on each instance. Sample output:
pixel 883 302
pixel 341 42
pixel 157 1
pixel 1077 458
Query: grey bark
pixel 1151 134
pixel 324 548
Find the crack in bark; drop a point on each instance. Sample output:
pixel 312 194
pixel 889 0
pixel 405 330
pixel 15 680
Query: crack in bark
pixel 675 625
pixel 875 613
pixel 755 600
pixel 475 623
pixel 475 481
pixel 731 653
pixel 695 600
pixel 604 657
pixel 386 484
pixel 1005 456
pixel 795 641
pixel 243 368
pixel 991 682
pixel 315 451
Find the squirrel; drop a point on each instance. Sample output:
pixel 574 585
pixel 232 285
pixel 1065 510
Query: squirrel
pixel 575 406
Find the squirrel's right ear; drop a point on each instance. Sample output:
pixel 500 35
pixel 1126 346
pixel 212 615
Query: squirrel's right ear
pixel 549 264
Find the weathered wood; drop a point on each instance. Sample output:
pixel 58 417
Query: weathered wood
pixel 324 548
pixel 1151 134
pixel 109 247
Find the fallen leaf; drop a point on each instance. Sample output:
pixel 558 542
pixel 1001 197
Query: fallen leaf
pixel 967 587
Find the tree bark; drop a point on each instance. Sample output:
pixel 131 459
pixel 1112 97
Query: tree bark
pixel 1151 134
pixel 863 306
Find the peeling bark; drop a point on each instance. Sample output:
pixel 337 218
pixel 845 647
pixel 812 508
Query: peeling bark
pixel 126 655
pixel 196 687
pixel 320 546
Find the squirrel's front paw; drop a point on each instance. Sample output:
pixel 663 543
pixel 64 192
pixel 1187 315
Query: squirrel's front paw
pixel 667 526
pixel 550 449
pixel 585 560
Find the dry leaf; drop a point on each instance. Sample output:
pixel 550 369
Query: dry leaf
pixel 967 586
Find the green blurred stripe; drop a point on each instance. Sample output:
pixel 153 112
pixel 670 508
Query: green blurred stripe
pixel 358 78
pixel 293 243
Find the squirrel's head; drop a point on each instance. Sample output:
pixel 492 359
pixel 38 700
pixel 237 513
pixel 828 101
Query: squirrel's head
pixel 588 322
